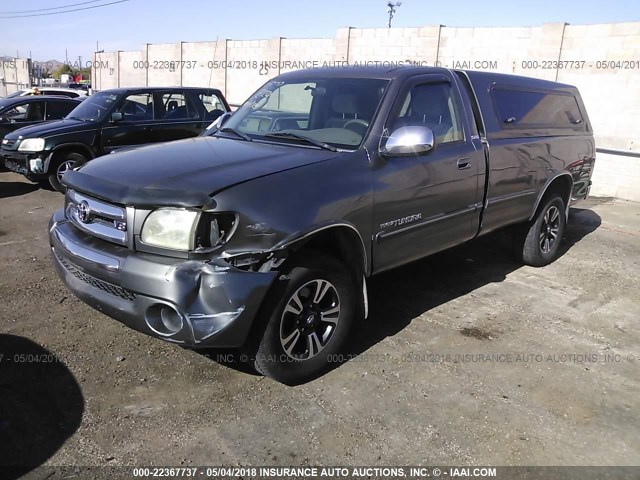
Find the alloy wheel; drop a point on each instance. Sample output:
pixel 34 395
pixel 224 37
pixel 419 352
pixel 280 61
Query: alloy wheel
pixel 549 229
pixel 63 168
pixel 309 319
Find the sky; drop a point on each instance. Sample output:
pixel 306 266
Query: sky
pixel 130 24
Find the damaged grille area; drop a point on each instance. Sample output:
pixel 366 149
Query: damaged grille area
pixel 106 287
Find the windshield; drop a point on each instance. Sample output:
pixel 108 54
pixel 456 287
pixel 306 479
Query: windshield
pixel 335 112
pixel 94 108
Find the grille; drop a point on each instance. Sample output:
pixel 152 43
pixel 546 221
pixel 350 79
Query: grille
pixel 8 144
pixel 97 218
pixel 109 288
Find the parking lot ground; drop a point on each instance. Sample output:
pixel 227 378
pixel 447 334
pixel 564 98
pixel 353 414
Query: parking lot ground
pixel 467 358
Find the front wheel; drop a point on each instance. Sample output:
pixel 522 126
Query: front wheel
pixel 309 317
pixel 537 243
pixel 68 162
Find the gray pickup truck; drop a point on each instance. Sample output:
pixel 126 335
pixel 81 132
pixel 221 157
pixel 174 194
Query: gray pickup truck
pixel 262 232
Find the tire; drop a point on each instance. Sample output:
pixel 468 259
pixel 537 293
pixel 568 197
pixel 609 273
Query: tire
pixel 537 243
pixel 299 344
pixel 65 162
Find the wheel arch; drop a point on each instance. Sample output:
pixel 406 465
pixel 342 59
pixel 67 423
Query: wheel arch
pixel 76 147
pixel 561 183
pixel 338 239
pixel 342 241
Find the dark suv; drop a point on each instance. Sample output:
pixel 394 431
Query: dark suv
pixel 19 112
pixel 107 121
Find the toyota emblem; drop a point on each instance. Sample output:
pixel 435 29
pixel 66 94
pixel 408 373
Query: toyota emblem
pixel 84 212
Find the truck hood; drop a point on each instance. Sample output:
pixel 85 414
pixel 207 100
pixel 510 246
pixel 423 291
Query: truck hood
pixel 48 129
pixel 187 172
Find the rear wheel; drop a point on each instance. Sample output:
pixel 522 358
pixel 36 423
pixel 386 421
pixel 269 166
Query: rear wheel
pixel 537 243
pixel 309 316
pixel 66 162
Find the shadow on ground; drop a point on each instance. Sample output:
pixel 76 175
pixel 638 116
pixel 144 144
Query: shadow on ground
pixel 400 295
pixel 41 405
pixel 15 189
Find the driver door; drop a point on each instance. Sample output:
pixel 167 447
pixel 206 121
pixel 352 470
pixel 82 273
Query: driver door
pixel 28 113
pixel 427 202
pixel 25 114
pixel 136 126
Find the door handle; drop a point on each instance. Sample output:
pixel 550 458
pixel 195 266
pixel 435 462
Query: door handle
pixel 464 163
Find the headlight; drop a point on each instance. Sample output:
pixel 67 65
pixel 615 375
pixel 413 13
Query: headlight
pixel 31 145
pixel 172 228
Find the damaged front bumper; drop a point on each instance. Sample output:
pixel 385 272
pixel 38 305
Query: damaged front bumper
pixel 194 303
pixel 31 165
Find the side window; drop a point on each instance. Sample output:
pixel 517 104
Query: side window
pixel 137 107
pixel 213 106
pixel 431 105
pixel 519 107
pixel 211 102
pixel 17 113
pixel 57 110
pixel 176 106
pixel 35 112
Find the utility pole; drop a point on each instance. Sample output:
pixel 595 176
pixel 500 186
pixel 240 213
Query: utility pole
pixel 36 72
pixel 391 10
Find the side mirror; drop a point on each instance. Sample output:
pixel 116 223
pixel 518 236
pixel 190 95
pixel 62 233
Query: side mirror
pixel 413 140
pixel 217 123
pixel 116 117
pixel 221 120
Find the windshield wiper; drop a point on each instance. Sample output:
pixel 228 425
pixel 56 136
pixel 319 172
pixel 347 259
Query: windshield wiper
pixel 297 136
pixel 75 118
pixel 242 135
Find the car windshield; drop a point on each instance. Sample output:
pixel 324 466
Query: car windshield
pixel 94 108
pixel 325 112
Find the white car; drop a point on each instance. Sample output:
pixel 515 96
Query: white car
pixel 58 91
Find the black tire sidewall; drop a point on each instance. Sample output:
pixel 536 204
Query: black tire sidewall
pixel 78 158
pixel 532 252
pixel 271 358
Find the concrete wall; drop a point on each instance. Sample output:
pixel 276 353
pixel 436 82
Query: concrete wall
pixel 575 54
pixel 14 75
pixel 617 176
